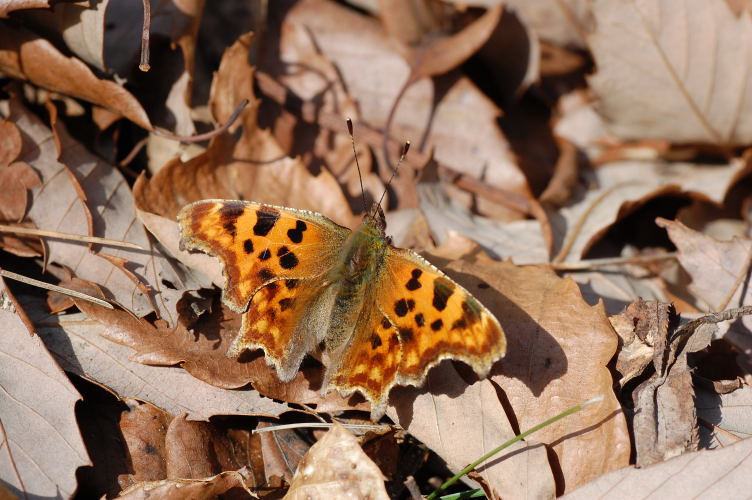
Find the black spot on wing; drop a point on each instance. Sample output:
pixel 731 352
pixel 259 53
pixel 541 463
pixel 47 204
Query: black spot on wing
pixel 296 235
pixel 437 325
pixel 459 324
pixel 265 274
pixel 288 260
pixel 285 304
pixel 385 324
pixel 248 246
pixel 290 284
pixel 265 255
pixel 400 308
pixel 375 341
pixel 229 214
pixel 265 221
pixel 414 282
pixel 441 293
pixel 410 304
pixel 406 334
pixel 419 320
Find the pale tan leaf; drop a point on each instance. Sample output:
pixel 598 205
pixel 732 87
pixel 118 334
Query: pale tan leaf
pixel 40 441
pixel 673 69
pixel 336 468
pixel 722 473
pixel 194 489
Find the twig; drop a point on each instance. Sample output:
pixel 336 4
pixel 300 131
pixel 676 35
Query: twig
pixel 314 425
pixel 54 288
pixel 144 64
pixel 609 261
pixel 208 135
pixel 68 236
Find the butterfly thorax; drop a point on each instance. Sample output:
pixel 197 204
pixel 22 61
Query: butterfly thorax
pixel 354 276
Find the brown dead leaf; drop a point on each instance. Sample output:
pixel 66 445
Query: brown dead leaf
pixel 655 78
pixel 558 351
pixel 722 473
pixel 144 427
pixel 725 418
pixel 282 451
pixel 563 23
pixel 665 422
pixel 37 419
pixel 17 178
pixel 98 202
pixel 195 489
pixel 336 467
pixel 643 328
pixel 25 56
pixel 717 268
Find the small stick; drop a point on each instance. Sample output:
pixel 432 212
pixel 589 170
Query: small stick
pixel 144 64
pixel 609 261
pixel 54 288
pixel 68 236
pixel 313 425
pixel 357 164
pixel 208 135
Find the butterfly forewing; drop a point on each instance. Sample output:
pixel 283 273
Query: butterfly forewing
pixel 259 244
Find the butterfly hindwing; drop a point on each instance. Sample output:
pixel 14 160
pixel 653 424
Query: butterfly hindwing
pixel 436 318
pixel 259 244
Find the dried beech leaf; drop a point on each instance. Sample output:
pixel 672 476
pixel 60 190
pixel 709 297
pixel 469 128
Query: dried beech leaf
pixel 144 427
pixel 674 70
pixel 721 473
pixel 336 468
pixel 39 429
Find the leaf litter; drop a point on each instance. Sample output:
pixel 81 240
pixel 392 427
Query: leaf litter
pixel 581 286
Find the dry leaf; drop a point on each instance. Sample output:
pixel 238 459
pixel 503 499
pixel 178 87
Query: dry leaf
pixel 674 70
pixel 720 473
pixel 195 489
pixel 336 468
pixel 143 427
pixel 39 429
pixel 728 415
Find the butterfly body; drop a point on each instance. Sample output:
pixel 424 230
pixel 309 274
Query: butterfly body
pixel 381 315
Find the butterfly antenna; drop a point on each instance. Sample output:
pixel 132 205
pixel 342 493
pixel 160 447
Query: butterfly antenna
pixel 355 153
pixel 405 149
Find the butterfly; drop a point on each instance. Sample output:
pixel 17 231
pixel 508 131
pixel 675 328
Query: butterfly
pixel 379 314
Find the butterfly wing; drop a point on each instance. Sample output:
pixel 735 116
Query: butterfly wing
pixel 259 244
pixel 436 318
pixel 418 316
pixel 274 259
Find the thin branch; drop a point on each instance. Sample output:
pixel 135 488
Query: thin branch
pixel 208 135
pixel 314 425
pixel 67 236
pixel 54 288
pixel 609 261
pixel 144 64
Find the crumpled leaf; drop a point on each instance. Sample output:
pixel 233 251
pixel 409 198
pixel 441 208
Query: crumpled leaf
pixel 195 489
pixel 16 177
pixel 41 444
pixel 336 468
pixel 719 473
pixel 665 422
pixel 674 70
